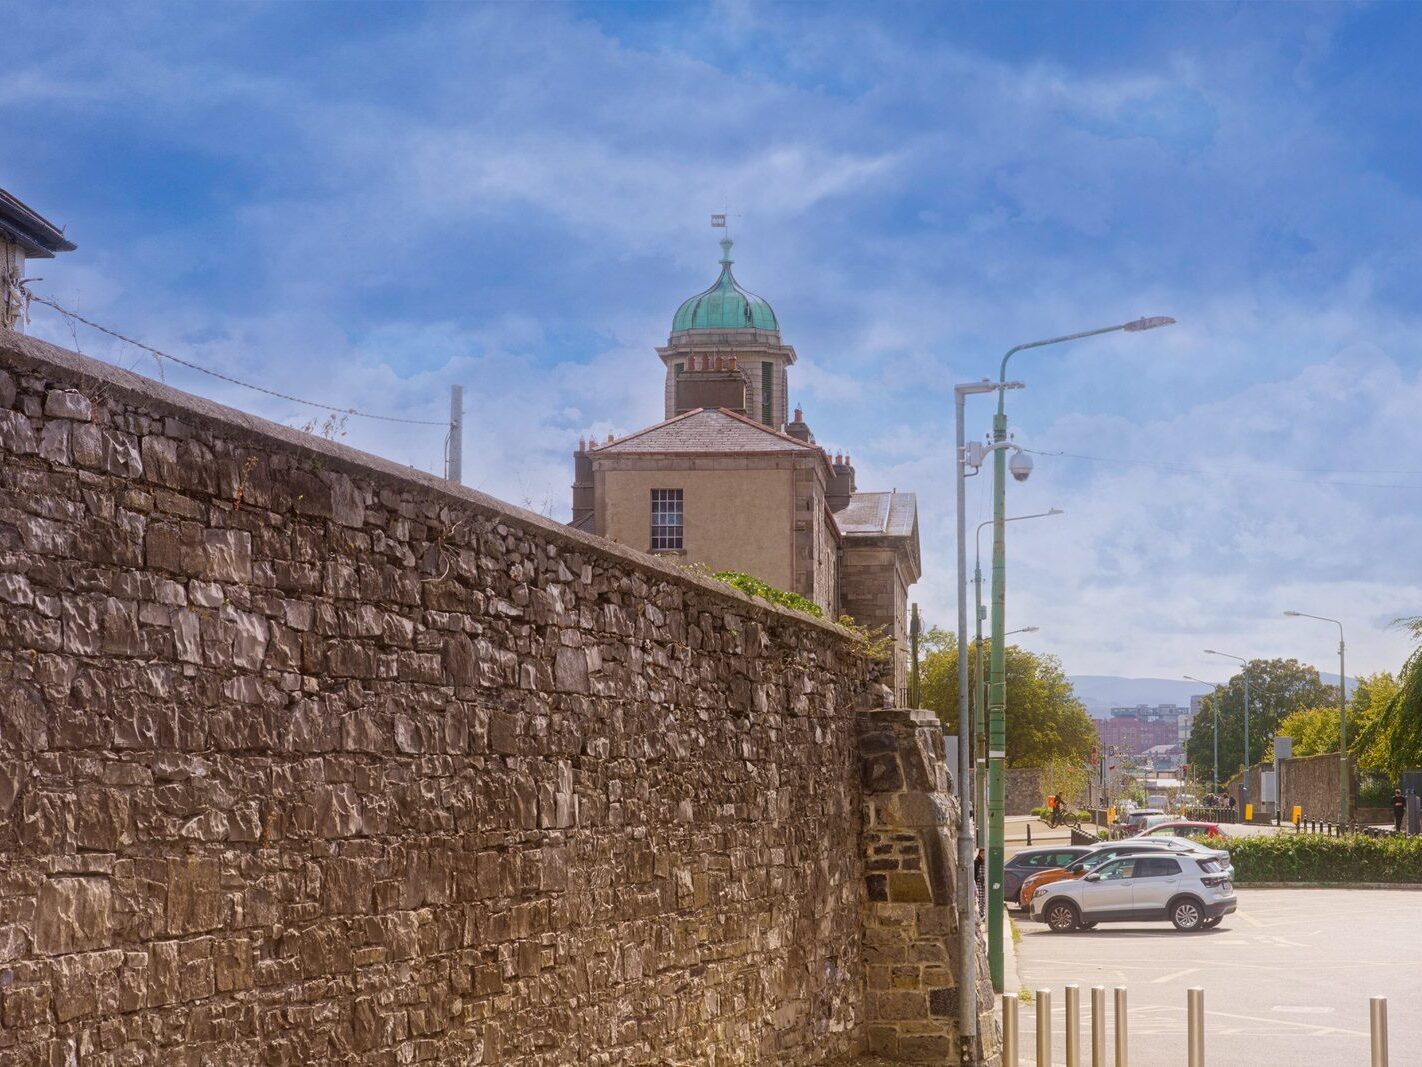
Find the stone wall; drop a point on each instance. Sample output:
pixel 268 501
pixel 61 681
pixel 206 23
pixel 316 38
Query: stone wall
pixel 912 921
pixel 1311 782
pixel 1023 790
pixel 306 757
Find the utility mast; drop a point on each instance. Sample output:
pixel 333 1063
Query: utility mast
pixel 454 453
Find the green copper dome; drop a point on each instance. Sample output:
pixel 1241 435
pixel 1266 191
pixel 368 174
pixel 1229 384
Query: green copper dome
pixel 725 306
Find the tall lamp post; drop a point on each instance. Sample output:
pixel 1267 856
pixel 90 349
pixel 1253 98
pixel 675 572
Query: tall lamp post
pixel 979 686
pixel 1215 709
pixel 997 675
pixel 967 902
pixel 1343 776
pixel 1245 672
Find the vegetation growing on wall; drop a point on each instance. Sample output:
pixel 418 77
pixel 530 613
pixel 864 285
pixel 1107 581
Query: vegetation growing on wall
pixel 750 584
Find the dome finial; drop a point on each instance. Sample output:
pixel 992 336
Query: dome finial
pixel 726 260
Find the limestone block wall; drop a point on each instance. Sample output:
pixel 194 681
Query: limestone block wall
pixel 1311 782
pixel 309 758
pixel 911 919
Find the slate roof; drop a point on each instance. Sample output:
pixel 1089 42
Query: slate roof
pixel 39 237
pixel 705 430
pixel 878 514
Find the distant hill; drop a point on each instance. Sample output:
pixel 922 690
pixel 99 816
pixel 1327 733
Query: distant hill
pixel 1102 692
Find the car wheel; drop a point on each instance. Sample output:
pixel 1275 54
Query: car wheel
pixel 1187 915
pixel 1061 916
pixel 1210 924
pixel 1087 925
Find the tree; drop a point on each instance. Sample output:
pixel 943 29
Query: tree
pixel 1315 730
pixel 1045 720
pixel 1277 688
pixel 1394 737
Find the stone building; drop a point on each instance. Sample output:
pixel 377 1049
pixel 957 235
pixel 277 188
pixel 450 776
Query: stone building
pixel 24 234
pixel 732 480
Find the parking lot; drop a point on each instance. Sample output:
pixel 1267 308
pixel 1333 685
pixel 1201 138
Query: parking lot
pixel 1287 978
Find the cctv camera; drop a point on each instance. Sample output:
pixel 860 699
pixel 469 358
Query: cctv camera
pixel 1020 465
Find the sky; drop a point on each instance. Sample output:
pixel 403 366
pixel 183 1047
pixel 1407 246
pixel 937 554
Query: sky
pixel 361 204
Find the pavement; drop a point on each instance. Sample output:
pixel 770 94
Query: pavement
pixel 1287 978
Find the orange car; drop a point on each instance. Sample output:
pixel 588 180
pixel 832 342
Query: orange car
pixel 1090 862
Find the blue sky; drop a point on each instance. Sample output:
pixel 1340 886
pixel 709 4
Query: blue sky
pixel 364 202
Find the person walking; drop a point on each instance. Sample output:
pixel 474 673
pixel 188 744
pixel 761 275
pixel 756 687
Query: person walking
pixel 978 880
pixel 1399 809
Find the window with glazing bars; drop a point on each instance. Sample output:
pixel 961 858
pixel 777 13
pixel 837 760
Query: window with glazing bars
pixel 666 519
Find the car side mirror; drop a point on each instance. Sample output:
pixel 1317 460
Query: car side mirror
pixel 1093 877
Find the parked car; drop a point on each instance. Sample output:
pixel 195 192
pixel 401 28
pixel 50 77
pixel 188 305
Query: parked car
pixel 1186 888
pixel 1032 861
pixel 1110 850
pixel 1136 820
pixel 1183 828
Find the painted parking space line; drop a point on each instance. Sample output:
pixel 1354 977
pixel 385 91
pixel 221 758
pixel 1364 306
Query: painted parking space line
pixel 1174 975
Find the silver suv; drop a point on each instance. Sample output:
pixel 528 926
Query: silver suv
pixel 1189 889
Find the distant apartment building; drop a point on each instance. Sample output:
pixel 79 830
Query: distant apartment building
pixel 1133 730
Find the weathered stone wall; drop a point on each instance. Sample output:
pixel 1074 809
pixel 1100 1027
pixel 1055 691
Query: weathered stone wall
pixel 1023 790
pixel 309 758
pixel 1311 782
pixel 912 919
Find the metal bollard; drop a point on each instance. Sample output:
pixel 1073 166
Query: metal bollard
pixel 1195 1006
pixel 1377 1011
pixel 1120 1026
pixel 1098 1026
pixel 1044 1028
pixel 1029 835
pixel 1009 1030
pixel 1073 1025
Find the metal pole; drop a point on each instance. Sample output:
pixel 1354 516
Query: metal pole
pixel 1009 1030
pixel 980 692
pixel 997 701
pixel 1377 1014
pixel 915 629
pixel 455 460
pixel 1195 1002
pixel 967 890
pixel 1344 779
pixel 1215 707
pixel 1073 1026
pixel 1098 1026
pixel 1120 1026
pixel 1044 1028
pixel 1246 738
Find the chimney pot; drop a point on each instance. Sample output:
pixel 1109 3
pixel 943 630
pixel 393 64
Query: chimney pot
pixel 609 438
pixel 733 363
pixel 718 364
pixel 799 415
pixel 582 444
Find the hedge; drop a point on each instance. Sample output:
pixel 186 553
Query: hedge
pixel 1294 857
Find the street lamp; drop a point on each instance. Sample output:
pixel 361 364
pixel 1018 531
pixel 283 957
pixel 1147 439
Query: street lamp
pixel 1245 672
pixel 997 677
pixel 1342 716
pixel 967 903
pixel 1215 708
pixel 979 687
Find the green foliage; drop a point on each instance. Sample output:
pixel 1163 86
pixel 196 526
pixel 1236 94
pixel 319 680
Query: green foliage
pixel 1045 720
pixel 1068 814
pixel 1065 778
pixel 876 643
pixel 1290 857
pixel 750 584
pixel 1277 688
pixel 1394 736
pixel 1375 793
pixel 1315 730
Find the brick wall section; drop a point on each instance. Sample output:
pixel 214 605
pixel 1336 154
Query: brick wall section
pixel 309 758
pixel 911 923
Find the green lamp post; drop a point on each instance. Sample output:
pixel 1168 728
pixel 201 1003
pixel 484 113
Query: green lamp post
pixel 997 674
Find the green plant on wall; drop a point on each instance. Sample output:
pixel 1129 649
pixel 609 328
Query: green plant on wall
pixel 750 584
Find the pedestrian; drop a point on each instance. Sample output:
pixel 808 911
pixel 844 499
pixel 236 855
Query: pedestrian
pixel 1399 808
